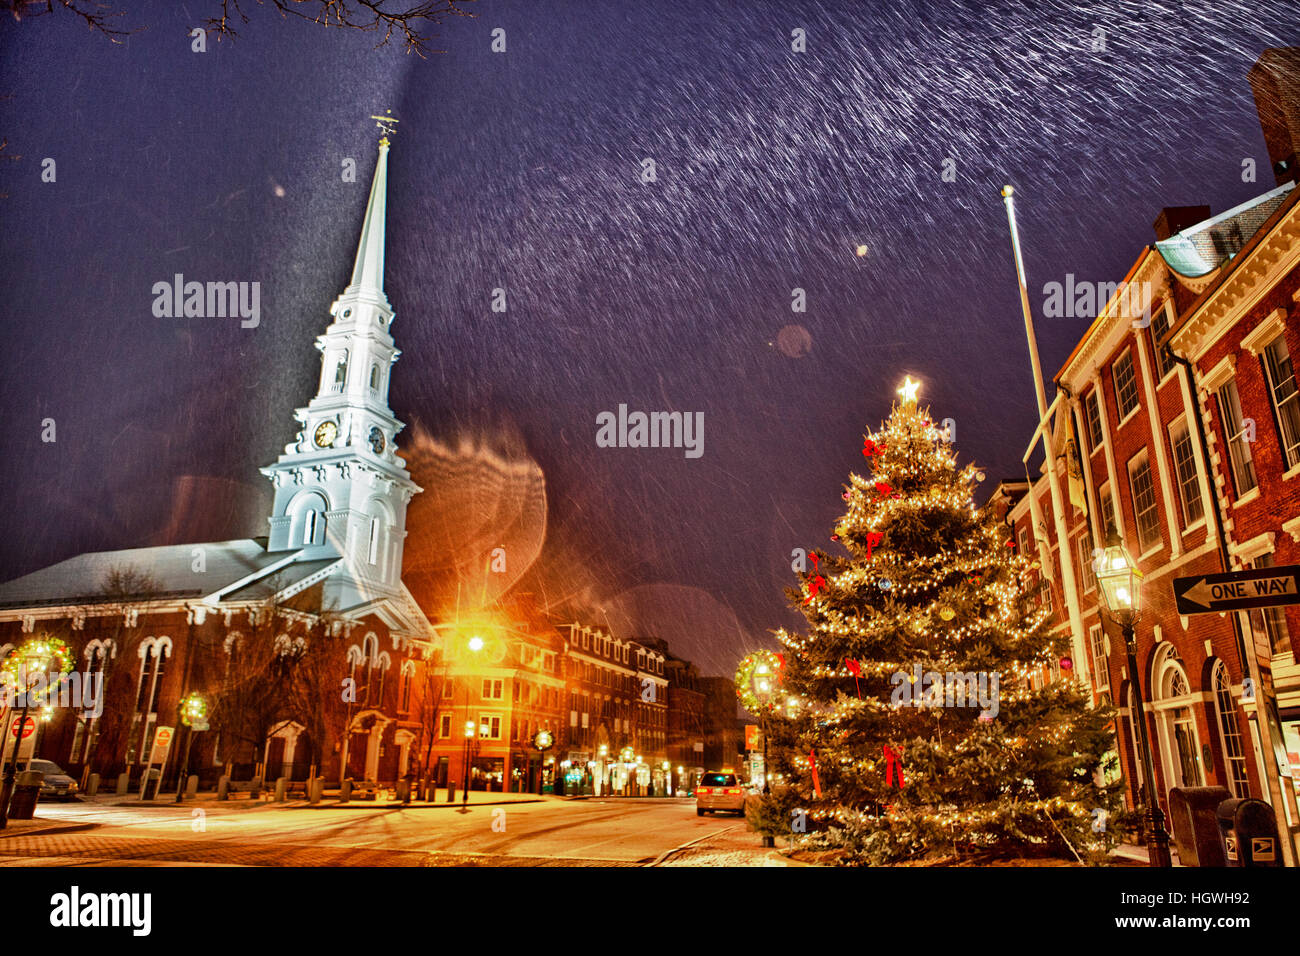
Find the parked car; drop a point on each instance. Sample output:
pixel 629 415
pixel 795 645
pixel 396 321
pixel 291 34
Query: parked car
pixel 719 791
pixel 57 784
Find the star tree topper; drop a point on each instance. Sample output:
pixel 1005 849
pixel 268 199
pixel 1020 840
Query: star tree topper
pixel 908 391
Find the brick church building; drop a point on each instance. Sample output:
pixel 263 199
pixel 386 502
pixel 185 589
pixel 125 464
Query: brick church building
pixel 305 643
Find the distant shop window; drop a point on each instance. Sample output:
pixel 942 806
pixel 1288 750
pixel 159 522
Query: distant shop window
pixel 1144 501
pixel 1285 398
pixel 1243 468
pixel 1126 389
pixel 1189 485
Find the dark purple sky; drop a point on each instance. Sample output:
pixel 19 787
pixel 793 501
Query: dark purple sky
pixel 522 170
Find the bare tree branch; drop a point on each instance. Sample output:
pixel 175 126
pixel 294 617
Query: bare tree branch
pixel 407 23
pixel 99 17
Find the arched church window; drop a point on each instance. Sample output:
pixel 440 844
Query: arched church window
pixel 374 377
pixel 309 523
pixel 341 369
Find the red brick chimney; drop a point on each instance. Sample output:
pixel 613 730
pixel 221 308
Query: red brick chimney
pixel 1174 219
pixel 1275 81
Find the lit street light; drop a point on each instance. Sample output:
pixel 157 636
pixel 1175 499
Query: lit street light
pixel 1119 582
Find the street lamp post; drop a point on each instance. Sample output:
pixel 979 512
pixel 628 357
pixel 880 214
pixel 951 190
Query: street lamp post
pixel 763 681
pixel 194 715
pixel 1119 582
pixel 470 731
pixel 475 645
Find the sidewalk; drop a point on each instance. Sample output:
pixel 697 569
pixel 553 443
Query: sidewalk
pixel 735 846
pixel 41 827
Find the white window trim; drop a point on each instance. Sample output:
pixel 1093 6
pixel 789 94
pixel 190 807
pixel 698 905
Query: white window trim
pixel 1262 335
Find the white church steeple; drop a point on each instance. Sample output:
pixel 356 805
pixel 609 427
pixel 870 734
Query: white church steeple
pixel 340 488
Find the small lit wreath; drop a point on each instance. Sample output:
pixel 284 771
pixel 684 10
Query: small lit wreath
pixel 758 664
pixel 54 650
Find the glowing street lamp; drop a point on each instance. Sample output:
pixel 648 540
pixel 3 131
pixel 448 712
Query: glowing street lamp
pixel 1120 582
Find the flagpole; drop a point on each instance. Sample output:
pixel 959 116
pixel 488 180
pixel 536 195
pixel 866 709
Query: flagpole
pixel 1066 562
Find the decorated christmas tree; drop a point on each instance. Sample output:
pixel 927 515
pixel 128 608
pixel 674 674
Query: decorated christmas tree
pixel 916 717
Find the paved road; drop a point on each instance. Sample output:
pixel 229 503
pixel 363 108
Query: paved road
pixel 550 833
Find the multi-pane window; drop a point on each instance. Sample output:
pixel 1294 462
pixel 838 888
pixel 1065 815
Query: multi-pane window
pixel 1100 670
pixel 1092 409
pixel 1024 540
pixel 492 690
pixel 444 725
pixel 448 688
pixel 1108 525
pixel 1084 546
pixel 1229 732
pixel 490 727
pixel 1272 620
pixel 1126 388
pixel 1286 399
pixel 1158 327
pixel 1243 468
pixel 1144 500
pixel 1189 485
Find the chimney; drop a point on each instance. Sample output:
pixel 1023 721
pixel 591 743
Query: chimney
pixel 1174 219
pixel 1275 81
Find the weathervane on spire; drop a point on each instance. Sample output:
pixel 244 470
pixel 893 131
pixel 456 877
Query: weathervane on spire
pixel 388 123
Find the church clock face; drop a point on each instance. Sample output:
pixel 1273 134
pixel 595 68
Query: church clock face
pixel 377 440
pixel 326 432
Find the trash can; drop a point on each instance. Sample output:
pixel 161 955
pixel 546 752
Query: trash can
pixel 1249 831
pixel 27 790
pixel 1192 816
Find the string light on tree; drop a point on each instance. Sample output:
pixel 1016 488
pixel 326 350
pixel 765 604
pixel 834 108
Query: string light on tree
pixel 927 585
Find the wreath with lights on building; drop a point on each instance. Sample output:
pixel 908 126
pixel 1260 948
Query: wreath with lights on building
pixel 54 651
pixel 758 665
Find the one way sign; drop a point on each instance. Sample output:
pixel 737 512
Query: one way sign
pixel 1238 590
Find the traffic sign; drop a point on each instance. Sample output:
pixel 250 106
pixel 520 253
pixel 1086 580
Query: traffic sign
pixel 1238 590
pixel 162 742
pixel 29 728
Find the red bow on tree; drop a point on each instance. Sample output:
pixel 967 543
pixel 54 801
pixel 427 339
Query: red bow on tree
pixel 873 538
pixel 892 760
pixel 812 763
pixel 870 448
pixel 856 670
pixel 818 583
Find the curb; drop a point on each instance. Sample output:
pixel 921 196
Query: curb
pixel 677 849
pixel 44 831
